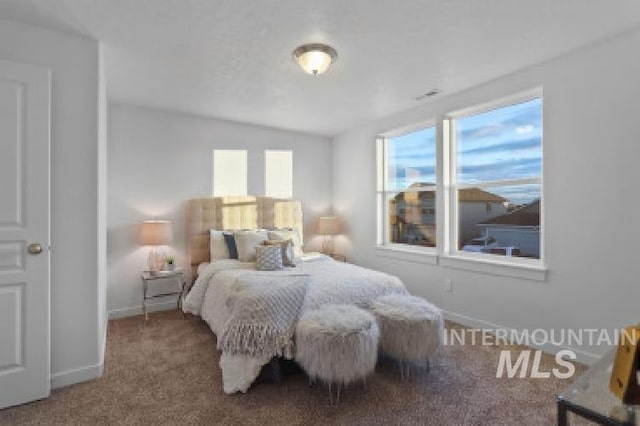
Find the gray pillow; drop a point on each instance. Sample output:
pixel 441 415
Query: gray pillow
pixel 268 258
pixel 287 250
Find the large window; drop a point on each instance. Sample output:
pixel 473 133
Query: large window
pixel 407 188
pixel 278 174
pixel 229 172
pixel 496 177
pixel 481 170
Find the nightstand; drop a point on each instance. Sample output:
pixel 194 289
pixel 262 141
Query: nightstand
pixel 149 277
pixel 338 257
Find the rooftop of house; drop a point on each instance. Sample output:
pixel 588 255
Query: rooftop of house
pixel 466 194
pixel 477 194
pixel 527 215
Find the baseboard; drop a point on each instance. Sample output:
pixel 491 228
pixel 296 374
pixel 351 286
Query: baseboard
pixel 79 375
pixel 584 357
pixel 137 310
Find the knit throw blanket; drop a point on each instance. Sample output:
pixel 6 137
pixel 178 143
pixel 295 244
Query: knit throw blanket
pixel 264 310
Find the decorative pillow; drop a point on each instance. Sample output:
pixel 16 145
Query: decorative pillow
pixel 217 245
pixel 246 242
pixel 230 241
pixel 268 258
pixel 286 247
pixel 292 235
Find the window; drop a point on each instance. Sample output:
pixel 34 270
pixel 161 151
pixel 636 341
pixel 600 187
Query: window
pixel 489 185
pixel 229 172
pixel 496 179
pixel 407 188
pixel 278 179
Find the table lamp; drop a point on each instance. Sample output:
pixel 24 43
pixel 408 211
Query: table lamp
pixel 156 233
pixel 328 226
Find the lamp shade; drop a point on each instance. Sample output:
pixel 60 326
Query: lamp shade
pixel 329 225
pixel 156 233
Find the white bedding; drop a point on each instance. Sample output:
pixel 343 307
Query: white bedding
pixel 329 282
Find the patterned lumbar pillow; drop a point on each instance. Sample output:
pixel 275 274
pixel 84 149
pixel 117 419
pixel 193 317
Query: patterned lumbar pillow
pixel 287 250
pixel 268 258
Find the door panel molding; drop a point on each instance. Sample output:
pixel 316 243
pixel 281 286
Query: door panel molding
pixel 25 99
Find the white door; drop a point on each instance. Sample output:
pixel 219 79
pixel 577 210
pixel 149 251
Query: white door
pixel 24 233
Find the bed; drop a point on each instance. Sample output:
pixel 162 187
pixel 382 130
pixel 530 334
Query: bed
pixel 253 313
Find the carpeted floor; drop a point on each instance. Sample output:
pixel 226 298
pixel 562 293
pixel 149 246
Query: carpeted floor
pixel 166 372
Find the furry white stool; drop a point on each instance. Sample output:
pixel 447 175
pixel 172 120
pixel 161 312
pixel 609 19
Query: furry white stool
pixel 337 344
pixel 411 329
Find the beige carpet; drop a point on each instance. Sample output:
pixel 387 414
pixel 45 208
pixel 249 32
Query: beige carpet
pixel 166 372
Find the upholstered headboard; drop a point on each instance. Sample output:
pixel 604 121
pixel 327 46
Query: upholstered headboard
pixel 246 212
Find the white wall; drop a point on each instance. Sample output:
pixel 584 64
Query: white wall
pixel 591 173
pixel 160 159
pixel 74 63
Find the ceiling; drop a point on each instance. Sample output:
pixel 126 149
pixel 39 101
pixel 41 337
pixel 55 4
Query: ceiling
pixel 231 59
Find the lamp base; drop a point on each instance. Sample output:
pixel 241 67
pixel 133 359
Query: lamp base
pixel 156 259
pixel 327 245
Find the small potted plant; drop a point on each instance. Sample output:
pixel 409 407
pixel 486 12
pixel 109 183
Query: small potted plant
pixel 170 263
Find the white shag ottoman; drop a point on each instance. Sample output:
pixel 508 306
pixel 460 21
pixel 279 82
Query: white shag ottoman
pixel 411 329
pixel 337 344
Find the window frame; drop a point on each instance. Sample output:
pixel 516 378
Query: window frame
pixel 452 217
pixel 382 192
pixel 446 252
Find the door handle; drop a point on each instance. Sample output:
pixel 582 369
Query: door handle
pixel 35 248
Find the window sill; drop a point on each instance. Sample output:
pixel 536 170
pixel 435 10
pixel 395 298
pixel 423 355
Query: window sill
pixel 496 267
pixel 533 272
pixel 408 253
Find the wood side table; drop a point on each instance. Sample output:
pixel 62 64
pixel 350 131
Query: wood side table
pixel 149 277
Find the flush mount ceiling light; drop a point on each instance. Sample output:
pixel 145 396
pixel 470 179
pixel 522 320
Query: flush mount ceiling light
pixel 315 58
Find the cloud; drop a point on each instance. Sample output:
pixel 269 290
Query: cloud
pixel 400 180
pixel 413 157
pixel 510 147
pixel 527 128
pixel 500 121
pixel 419 141
pixel 501 144
pixel 517 194
pixel 511 169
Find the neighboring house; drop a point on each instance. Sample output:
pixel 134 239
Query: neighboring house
pixel 477 205
pixel 413 217
pixel 519 228
pixel 413 214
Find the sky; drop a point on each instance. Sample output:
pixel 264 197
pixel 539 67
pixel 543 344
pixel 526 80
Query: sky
pixel 504 143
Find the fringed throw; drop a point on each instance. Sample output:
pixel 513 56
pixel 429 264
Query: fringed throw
pixel 264 310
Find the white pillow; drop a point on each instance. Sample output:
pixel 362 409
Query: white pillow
pixel 246 241
pixel 289 234
pixel 202 266
pixel 217 246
